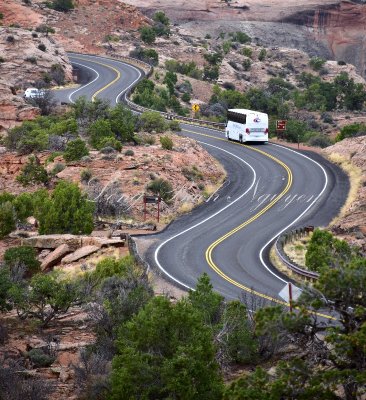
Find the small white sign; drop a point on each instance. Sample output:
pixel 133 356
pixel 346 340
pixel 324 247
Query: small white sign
pixel 285 292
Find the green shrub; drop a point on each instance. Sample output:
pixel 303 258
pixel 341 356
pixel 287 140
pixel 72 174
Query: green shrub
pixel 241 37
pixel 75 150
pixel 247 52
pixel 32 60
pixel 85 175
pixel 192 174
pixel 186 97
pixel 262 55
pixel 110 266
pixel 62 5
pixel 147 34
pixel 32 173
pixel 129 152
pixel 67 211
pixel 22 255
pixel 109 141
pixel 166 142
pixel 42 47
pixel 163 188
pixel 352 130
pixel 246 64
pixel 40 359
pixel 23 206
pixel 316 63
pixel 320 141
pixel 58 168
pixel 7 219
pixel 152 121
pixel 174 125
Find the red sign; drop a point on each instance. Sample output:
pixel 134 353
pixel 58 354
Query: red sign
pixel 281 125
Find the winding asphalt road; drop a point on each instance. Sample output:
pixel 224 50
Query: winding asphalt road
pixel 268 189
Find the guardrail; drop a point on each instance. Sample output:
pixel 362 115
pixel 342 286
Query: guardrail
pixel 294 267
pixel 148 70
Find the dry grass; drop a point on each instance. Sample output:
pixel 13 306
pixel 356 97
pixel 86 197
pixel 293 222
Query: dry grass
pixel 296 250
pixel 280 266
pixel 355 177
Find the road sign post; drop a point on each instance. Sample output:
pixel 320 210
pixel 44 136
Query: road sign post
pixel 152 200
pixel 280 126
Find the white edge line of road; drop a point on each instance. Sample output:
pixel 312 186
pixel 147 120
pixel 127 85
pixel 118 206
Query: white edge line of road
pixel 83 86
pixel 109 59
pixel 206 219
pixel 299 217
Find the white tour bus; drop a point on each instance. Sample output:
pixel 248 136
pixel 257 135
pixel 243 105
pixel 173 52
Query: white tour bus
pixel 246 126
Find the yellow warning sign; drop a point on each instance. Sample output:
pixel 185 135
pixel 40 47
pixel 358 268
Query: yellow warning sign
pixel 195 107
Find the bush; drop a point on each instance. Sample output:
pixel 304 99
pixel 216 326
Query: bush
pixel 7 219
pixel 320 141
pixel 24 256
pixel 10 39
pixel 352 130
pixel 58 168
pixel 67 211
pixel 129 152
pixel 186 97
pixel 40 359
pixel 42 47
pixel 163 188
pixel 246 64
pixel 58 74
pixel 241 37
pixel 32 60
pixel 247 52
pixel 147 34
pixel 109 142
pixel 152 121
pixel 174 125
pixel 149 56
pixel 86 175
pixel 75 150
pixel 32 173
pixel 166 142
pixel 316 63
pixel 109 267
pixel 62 5
pixel 23 206
pixel 262 55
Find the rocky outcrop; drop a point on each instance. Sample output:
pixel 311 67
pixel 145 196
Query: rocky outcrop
pixel 25 58
pixel 80 253
pixel 53 241
pixel 55 257
pixel 352 224
pixel 341 27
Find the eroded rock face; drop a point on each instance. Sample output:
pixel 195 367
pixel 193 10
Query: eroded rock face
pixel 340 26
pixel 352 225
pixel 22 63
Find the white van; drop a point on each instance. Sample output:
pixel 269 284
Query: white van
pixel 246 126
pixel 30 93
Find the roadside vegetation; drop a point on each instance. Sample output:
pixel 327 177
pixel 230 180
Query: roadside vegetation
pixel 148 346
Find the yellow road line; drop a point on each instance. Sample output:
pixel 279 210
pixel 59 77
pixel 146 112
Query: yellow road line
pixel 213 245
pixel 108 84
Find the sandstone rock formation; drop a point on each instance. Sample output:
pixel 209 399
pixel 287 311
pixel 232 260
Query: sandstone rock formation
pixel 23 62
pixel 80 253
pixel 55 257
pixel 352 225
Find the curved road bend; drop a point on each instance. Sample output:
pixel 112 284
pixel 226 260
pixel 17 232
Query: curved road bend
pixel 267 189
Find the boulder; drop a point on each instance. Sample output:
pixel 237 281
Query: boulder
pixel 102 242
pixel 80 253
pixel 55 257
pixel 53 241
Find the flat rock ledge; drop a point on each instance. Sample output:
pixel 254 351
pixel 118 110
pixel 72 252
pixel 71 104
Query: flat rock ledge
pixel 73 242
